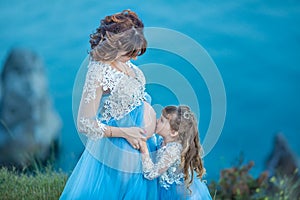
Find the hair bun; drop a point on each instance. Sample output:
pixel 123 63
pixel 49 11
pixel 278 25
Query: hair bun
pixel 116 23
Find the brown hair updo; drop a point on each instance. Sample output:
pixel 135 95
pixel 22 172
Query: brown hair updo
pixel 183 120
pixel 120 32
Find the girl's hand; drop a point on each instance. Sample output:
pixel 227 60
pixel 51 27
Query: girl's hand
pixel 143 147
pixel 134 135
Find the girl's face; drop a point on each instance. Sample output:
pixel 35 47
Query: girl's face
pixel 163 126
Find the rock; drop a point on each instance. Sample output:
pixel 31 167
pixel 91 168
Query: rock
pixel 282 160
pixel 28 123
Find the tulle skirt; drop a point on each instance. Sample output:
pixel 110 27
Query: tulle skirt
pixel 111 169
pixel 198 189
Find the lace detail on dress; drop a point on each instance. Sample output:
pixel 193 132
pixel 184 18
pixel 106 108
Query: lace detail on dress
pixel 126 95
pixel 94 129
pixel 167 167
pixel 99 74
pixel 126 92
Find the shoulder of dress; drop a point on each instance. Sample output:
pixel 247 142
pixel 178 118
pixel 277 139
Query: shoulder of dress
pixel 100 66
pixel 174 146
pixel 138 71
pixel 104 70
pixel 101 74
pixel 95 63
pixel 134 66
pixel 130 64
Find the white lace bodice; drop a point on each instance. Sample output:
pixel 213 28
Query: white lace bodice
pixel 168 166
pixel 125 94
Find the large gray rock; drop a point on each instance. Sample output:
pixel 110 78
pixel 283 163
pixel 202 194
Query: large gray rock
pixel 282 159
pixel 28 123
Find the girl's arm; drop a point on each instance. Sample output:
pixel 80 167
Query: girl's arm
pixel 152 170
pixel 87 121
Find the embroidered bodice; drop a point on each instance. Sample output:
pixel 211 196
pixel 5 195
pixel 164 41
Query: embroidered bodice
pixel 125 93
pixel 167 168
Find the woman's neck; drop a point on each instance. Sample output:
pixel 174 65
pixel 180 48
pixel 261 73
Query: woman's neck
pixel 122 67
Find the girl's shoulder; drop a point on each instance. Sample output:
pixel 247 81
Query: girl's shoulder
pixel 174 145
pixel 160 143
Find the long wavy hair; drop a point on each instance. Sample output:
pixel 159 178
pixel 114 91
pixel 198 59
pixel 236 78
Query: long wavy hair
pixel 118 33
pixel 183 121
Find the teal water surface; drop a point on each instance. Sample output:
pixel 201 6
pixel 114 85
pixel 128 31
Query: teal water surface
pixel 255 45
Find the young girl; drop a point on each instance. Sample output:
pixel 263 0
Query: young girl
pixel 178 160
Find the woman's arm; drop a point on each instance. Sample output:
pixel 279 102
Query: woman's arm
pixel 87 122
pixel 153 170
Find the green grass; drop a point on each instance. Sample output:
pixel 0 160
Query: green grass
pixel 38 185
pixel 235 183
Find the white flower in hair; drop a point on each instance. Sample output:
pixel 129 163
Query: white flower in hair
pixel 186 115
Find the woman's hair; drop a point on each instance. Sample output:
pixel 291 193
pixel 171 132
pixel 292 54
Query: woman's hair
pixel 181 119
pixel 121 32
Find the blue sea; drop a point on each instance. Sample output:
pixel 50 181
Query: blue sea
pixel 254 44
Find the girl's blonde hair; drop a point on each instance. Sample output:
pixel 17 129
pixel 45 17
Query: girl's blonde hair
pixel 120 32
pixel 183 121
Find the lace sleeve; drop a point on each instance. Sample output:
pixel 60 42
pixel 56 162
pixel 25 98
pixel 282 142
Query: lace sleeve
pixel 170 155
pixel 87 121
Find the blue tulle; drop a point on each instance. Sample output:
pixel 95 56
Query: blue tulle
pixel 198 191
pixel 198 188
pixel 110 168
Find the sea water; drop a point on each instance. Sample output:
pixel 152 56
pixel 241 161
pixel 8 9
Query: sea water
pixel 254 44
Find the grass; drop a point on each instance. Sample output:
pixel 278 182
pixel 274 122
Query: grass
pixel 235 183
pixel 47 184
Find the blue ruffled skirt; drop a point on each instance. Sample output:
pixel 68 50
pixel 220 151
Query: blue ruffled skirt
pixel 199 191
pixel 111 169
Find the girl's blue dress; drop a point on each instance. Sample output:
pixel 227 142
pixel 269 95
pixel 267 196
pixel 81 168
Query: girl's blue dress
pixel 171 182
pixel 109 168
pixel 198 189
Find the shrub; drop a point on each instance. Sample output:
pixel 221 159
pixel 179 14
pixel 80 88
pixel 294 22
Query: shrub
pixel 236 183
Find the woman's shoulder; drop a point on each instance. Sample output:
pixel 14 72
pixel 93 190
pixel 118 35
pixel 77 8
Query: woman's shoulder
pixel 139 73
pixel 102 73
pixel 100 65
pixel 135 67
pixel 105 70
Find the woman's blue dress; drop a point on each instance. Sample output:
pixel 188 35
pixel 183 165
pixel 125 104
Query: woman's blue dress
pixel 109 168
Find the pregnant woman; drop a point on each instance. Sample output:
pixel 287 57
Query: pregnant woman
pixel 113 116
